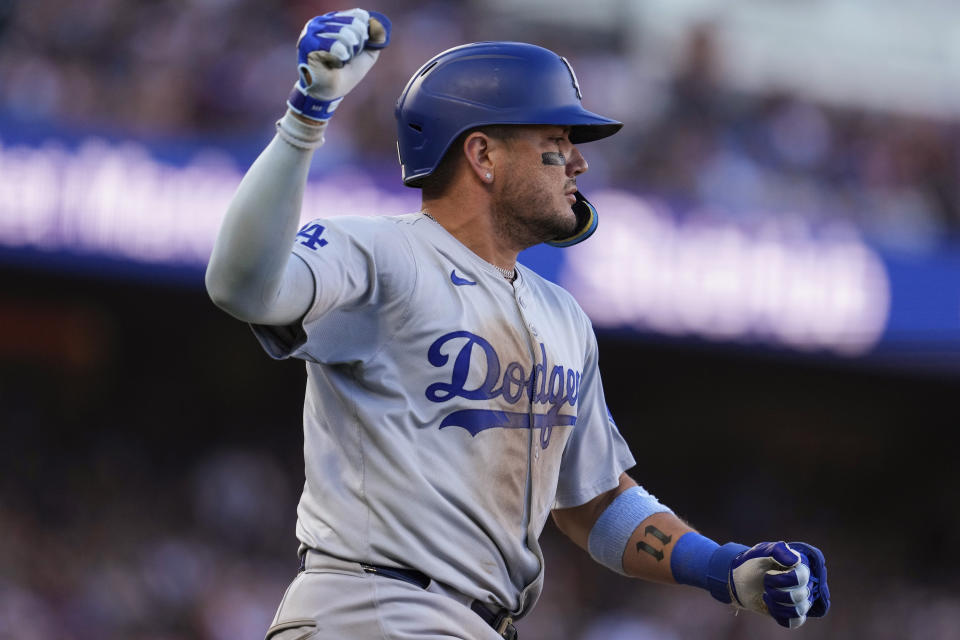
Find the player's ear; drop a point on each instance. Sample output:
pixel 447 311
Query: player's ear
pixel 480 152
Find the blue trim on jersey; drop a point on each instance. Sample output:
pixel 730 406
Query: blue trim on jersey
pixel 477 420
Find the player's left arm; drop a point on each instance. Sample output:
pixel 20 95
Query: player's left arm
pixel 644 556
pixel 631 532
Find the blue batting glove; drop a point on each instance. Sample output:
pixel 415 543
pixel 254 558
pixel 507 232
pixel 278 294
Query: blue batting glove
pixel 335 51
pixel 788 582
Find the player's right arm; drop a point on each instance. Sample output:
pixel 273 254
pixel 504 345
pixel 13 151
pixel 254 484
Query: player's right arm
pixel 252 273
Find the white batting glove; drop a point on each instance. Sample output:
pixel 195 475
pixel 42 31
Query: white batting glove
pixel 335 51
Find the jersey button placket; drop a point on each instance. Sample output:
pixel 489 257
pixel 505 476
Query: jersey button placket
pixel 533 445
pixel 531 331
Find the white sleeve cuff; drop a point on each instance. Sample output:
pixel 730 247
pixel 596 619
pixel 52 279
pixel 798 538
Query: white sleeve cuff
pixel 299 134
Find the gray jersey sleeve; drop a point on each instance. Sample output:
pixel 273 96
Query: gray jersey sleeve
pixel 362 271
pixel 596 454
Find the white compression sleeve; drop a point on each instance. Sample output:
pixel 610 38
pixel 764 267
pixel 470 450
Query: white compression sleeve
pixel 252 273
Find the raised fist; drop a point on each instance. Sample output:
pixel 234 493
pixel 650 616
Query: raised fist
pixel 788 582
pixel 334 52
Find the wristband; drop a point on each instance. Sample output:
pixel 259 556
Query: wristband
pixel 608 538
pixel 700 562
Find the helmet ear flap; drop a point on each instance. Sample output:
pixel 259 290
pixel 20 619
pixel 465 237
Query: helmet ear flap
pixel 587 220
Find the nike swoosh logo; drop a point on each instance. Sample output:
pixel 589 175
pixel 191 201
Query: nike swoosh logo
pixel 457 280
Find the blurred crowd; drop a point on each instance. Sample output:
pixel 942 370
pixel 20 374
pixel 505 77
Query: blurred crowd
pixel 221 69
pixel 893 176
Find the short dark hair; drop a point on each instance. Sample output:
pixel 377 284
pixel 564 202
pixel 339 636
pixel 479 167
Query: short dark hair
pixel 439 180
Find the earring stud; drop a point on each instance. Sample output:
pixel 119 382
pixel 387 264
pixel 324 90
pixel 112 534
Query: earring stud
pixel 489 176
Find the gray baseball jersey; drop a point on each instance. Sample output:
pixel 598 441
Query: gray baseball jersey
pixel 447 410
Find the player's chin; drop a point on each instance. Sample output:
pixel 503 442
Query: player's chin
pixel 565 221
pixel 560 224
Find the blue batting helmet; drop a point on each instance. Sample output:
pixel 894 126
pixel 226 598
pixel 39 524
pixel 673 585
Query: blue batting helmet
pixel 487 83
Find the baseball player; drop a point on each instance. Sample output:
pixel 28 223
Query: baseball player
pixel 453 398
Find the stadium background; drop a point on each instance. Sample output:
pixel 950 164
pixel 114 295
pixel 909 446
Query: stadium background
pixel 151 454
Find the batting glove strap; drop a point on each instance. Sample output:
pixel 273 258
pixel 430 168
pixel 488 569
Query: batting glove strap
pixel 718 570
pixel 309 107
pixel 701 562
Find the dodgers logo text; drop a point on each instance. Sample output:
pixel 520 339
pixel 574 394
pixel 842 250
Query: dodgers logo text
pixel 555 386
